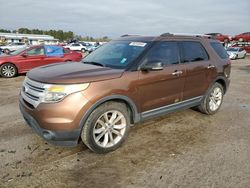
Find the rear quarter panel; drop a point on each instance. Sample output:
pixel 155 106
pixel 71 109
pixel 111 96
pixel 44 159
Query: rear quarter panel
pixel 73 56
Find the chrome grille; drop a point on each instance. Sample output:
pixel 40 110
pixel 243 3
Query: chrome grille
pixel 32 91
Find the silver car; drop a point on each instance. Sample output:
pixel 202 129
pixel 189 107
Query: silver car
pixel 236 52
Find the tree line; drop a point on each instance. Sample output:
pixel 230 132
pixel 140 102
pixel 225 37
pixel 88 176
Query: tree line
pixel 58 34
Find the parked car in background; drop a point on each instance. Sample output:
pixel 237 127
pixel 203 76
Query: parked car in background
pixel 220 37
pixel 244 45
pixel 92 48
pixel 236 52
pixel 76 47
pixel 14 46
pixel 242 37
pixel 22 60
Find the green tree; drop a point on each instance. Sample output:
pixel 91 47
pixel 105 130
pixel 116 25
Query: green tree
pixel 5 31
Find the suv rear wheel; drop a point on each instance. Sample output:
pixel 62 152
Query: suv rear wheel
pixel 213 100
pixel 106 128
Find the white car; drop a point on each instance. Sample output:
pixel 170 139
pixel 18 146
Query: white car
pixel 14 46
pixel 236 52
pixel 76 47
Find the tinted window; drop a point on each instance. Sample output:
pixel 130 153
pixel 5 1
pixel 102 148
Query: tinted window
pixel 75 44
pixel 219 49
pixel 233 49
pixel 193 51
pixel 36 51
pixel 165 52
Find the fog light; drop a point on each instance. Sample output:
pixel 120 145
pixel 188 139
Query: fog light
pixel 47 135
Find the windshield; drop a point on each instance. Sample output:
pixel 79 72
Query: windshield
pixel 233 49
pixel 18 51
pixel 116 54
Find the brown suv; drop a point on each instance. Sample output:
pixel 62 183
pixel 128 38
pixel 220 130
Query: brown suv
pixel 124 82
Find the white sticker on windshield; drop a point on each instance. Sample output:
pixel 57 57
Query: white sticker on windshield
pixel 140 44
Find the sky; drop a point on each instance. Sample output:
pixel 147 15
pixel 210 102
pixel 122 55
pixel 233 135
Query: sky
pixel 113 18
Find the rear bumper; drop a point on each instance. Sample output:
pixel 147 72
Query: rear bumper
pixel 59 138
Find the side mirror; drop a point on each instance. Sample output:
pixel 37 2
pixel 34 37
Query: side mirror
pixel 24 55
pixel 152 66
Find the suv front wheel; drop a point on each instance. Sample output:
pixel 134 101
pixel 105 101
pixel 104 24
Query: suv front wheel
pixel 212 100
pixel 106 128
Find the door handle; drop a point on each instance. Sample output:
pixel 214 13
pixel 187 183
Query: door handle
pixel 210 66
pixel 177 73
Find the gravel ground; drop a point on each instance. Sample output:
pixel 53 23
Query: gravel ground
pixel 182 149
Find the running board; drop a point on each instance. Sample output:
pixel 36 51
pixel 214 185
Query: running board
pixel 171 108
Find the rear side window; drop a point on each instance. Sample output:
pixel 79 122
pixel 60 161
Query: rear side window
pixel 219 49
pixel 193 51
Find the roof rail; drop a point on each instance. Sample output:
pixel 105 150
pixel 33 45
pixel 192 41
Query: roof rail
pixel 166 34
pixel 194 34
pixel 127 35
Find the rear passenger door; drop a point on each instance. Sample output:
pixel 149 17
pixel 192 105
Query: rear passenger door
pixel 162 87
pixel 200 71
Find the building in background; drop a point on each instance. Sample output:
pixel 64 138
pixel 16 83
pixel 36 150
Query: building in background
pixel 32 39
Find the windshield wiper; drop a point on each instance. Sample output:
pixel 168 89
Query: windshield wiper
pixel 94 63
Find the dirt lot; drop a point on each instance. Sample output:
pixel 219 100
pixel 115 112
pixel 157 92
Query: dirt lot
pixel 183 149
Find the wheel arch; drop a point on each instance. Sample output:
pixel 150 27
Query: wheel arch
pixel 135 117
pixel 221 80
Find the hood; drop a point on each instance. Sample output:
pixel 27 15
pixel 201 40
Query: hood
pixel 72 73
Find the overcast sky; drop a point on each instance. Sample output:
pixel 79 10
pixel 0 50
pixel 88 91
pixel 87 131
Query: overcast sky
pixel 115 17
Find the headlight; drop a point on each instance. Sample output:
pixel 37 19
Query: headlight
pixel 55 93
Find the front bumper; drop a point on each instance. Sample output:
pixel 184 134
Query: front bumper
pixel 58 123
pixel 60 138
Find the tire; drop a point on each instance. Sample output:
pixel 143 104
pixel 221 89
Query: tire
pixel 212 100
pixel 83 50
pixel 8 70
pixel 98 131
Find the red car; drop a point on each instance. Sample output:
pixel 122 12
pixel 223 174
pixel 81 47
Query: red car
pixel 244 45
pixel 23 60
pixel 242 37
pixel 220 37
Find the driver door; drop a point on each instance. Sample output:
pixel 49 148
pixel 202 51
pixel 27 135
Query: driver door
pixel 159 88
pixel 32 58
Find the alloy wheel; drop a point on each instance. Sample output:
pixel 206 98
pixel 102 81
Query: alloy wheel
pixel 8 71
pixel 215 99
pixel 109 129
